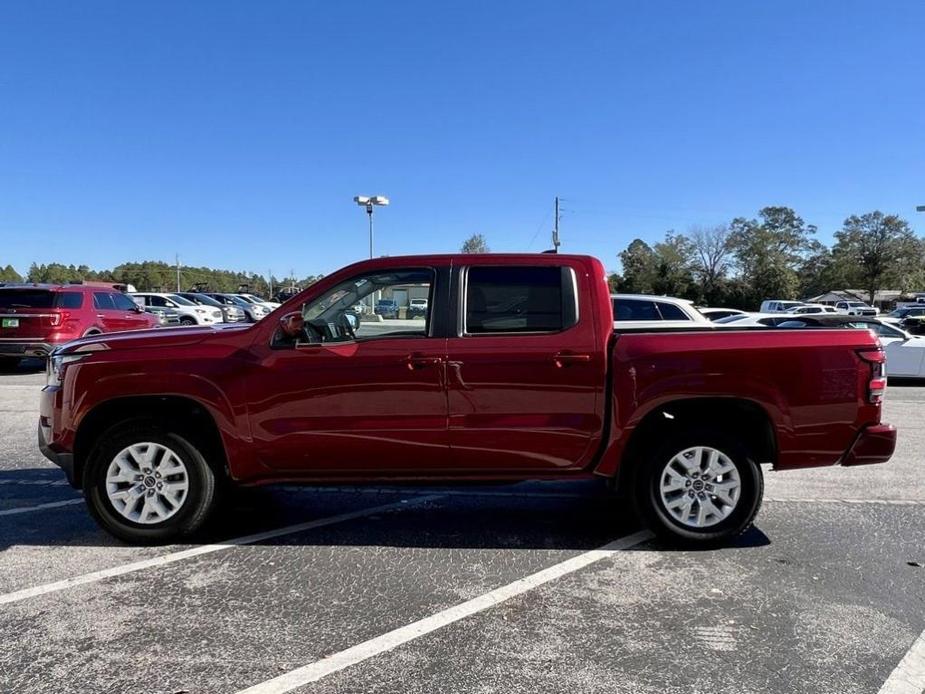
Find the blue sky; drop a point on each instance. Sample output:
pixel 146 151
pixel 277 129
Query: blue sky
pixel 236 134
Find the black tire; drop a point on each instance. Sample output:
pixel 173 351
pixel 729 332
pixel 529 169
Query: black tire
pixel 654 511
pixel 8 364
pixel 187 320
pixel 201 497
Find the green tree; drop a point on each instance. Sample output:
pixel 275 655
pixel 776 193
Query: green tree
pixel 674 262
pixel 770 250
pixel 475 244
pixel 9 274
pixel 882 250
pixel 639 268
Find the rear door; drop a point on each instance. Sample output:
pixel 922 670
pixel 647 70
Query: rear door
pixel 112 314
pixel 525 369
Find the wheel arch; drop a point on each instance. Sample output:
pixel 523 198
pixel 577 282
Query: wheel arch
pixel 183 415
pixel 750 421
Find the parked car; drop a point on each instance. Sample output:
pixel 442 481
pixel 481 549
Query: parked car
pixel 253 312
pixel 231 313
pixel 36 318
pixel 166 317
pixel 814 308
pixel 417 308
pixel 898 315
pixel 387 308
pixel 518 375
pixel 779 306
pixel 714 314
pixel 254 299
pixel 188 312
pixel 855 308
pixel 645 312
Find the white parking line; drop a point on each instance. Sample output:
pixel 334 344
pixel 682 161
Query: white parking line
pixel 40 507
pixel 392 639
pixel 909 675
pixel 173 557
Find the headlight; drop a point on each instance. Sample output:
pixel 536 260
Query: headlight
pixel 54 374
pixel 200 310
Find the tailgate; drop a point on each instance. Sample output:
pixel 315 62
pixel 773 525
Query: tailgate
pixel 27 313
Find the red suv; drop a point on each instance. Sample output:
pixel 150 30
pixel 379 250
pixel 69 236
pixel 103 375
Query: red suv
pixel 36 318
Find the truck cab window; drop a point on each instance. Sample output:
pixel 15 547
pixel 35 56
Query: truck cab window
pixel 519 300
pixel 368 307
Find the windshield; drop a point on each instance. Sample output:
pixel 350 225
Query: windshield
pixel 732 319
pixel 857 304
pixel 204 300
pixel 183 301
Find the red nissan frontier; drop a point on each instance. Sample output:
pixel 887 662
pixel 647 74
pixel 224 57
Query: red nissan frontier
pixel 513 371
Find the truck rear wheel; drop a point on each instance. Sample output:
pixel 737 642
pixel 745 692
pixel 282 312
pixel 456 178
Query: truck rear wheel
pixel 146 485
pixel 700 488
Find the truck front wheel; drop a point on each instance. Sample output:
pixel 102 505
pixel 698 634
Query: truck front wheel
pixel 145 485
pixel 700 488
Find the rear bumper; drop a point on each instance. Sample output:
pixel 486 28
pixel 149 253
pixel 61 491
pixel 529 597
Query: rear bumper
pixel 27 348
pixel 874 444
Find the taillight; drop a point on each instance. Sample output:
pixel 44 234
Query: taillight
pixel 58 317
pixel 876 386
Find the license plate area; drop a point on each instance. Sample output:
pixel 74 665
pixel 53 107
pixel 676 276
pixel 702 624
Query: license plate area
pixel 9 322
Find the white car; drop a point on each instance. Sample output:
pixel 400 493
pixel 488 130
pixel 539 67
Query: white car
pixel 766 320
pixel 779 306
pixel 190 313
pixel 814 308
pixel 855 308
pixel 905 353
pixel 714 314
pixel 254 299
pixel 635 311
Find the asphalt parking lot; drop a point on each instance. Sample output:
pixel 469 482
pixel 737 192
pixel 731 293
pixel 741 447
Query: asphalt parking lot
pixel 469 589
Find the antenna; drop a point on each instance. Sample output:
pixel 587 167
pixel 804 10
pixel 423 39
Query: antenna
pixel 555 230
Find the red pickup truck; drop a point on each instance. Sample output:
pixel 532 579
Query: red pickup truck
pixel 513 371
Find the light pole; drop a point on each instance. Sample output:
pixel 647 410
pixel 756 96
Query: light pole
pixel 369 201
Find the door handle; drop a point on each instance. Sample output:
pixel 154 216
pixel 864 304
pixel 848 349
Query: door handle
pixel 420 361
pixel 565 359
pixel 100 315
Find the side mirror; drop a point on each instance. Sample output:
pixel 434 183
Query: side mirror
pixel 292 325
pixel 138 309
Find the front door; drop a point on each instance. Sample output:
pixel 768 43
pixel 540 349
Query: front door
pixel 346 398
pixel 525 376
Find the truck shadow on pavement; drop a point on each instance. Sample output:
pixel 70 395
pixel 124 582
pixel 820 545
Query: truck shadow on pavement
pixel 547 516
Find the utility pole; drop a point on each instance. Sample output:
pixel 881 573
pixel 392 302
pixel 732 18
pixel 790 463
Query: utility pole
pixel 270 283
pixel 178 272
pixel 555 230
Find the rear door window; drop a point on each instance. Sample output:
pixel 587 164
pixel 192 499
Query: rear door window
pixel 671 312
pixel 635 309
pixel 519 300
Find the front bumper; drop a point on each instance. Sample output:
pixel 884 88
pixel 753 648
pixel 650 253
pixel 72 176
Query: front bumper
pixel 874 444
pixel 65 461
pixel 26 349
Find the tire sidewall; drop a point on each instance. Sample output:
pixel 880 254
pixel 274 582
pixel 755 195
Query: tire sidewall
pixel 199 499
pixel 658 517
